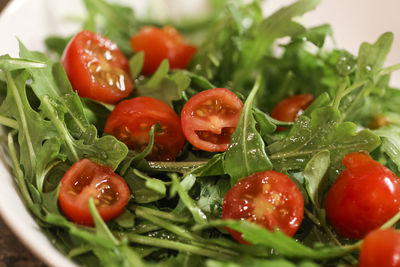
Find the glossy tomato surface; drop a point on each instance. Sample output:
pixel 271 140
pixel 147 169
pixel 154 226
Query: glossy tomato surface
pixel 87 179
pixel 210 117
pixel 269 199
pixel 381 248
pixel 159 44
pixel 363 197
pixel 96 68
pixel 291 108
pixel 131 121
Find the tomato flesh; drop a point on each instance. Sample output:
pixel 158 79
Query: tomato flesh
pixel 87 179
pixel 269 199
pixel 96 68
pixel 159 44
pixel 381 248
pixel 363 197
pixel 210 117
pixel 131 121
pixel 291 108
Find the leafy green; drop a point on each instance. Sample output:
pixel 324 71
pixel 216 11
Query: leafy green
pixel 246 152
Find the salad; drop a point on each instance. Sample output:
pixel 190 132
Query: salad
pixel 234 140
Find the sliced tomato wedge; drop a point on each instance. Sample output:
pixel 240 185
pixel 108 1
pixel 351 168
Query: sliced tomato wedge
pixel 97 68
pixel 131 121
pixel 210 117
pixel 87 179
pixel 269 199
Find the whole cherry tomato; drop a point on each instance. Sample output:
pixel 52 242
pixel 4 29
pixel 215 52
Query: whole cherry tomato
pixel 159 44
pixel 364 196
pixel 381 248
pixel 87 179
pixel 269 199
pixel 210 117
pixel 96 68
pixel 291 108
pixel 131 121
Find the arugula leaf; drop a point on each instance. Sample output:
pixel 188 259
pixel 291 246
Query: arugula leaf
pixel 323 131
pixel 246 152
pixel 164 86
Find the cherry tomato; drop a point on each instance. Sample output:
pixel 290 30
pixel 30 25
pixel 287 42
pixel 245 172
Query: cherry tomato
pixel 269 199
pixel 131 121
pixel 87 179
pixel 363 197
pixel 381 248
pixel 96 68
pixel 291 108
pixel 210 117
pixel 159 44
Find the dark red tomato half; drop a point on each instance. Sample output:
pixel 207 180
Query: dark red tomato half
pixel 96 68
pixel 269 199
pixel 381 248
pixel 159 44
pixel 131 121
pixel 363 197
pixel 291 108
pixel 210 117
pixel 87 179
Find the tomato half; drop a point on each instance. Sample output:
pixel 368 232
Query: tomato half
pixel 381 248
pixel 159 44
pixel 131 121
pixel 269 199
pixel 87 179
pixel 96 68
pixel 291 108
pixel 210 117
pixel 363 197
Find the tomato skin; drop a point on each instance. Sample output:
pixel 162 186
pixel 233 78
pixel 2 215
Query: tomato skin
pixel 363 197
pixel 85 179
pixel 159 44
pixel 269 199
pixel 96 68
pixel 291 108
pixel 131 121
pixel 381 248
pixel 210 117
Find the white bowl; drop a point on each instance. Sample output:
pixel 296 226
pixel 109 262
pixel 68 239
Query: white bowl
pixel 354 21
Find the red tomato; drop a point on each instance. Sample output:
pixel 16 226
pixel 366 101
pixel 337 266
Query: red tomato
pixel 381 248
pixel 269 199
pixel 210 117
pixel 131 120
pixel 96 68
pixel 87 179
pixel 291 108
pixel 364 196
pixel 159 44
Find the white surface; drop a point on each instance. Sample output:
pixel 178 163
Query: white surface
pixel 354 21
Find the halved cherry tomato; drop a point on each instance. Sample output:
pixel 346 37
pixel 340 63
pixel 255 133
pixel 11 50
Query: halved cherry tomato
pixel 96 68
pixel 131 120
pixel 364 196
pixel 269 199
pixel 87 179
pixel 291 108
pixel 210 117
pixel 159 44
pixel 381 248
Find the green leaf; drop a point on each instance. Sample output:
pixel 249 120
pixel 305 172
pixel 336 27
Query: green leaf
pixel 246 152
pixel 9 64
pixel 164 86
pixel 136 64
pixel 314 172
pixel 285 245
pixel 141 193
pixel 323 131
